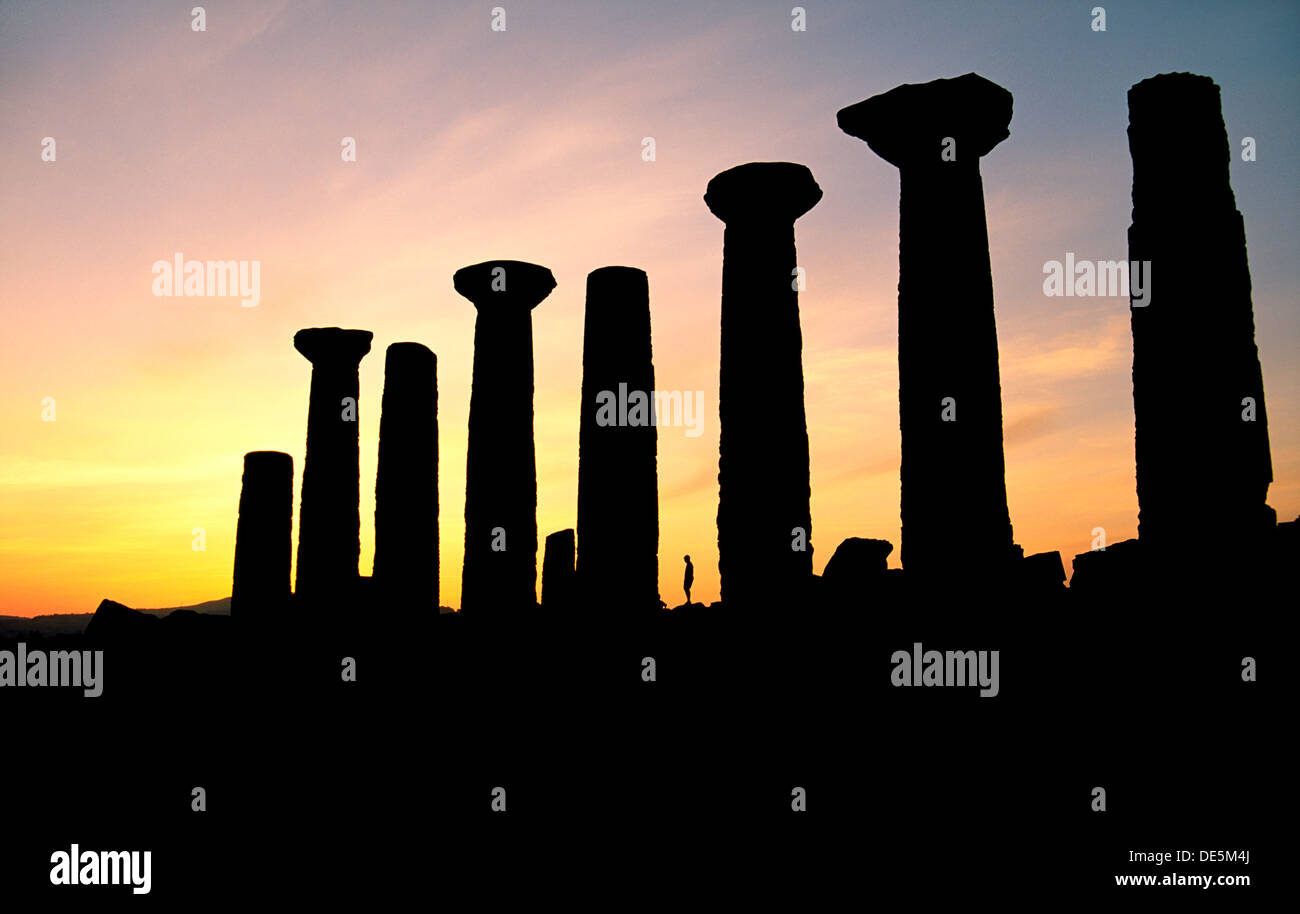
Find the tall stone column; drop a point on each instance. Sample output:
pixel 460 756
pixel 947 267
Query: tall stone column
pixel 618 483
pixel 764 522
pixel 955 521
pixel 263 536
pixel 329 518
pixel 1203 460
pixel 406 485
pixel 500 570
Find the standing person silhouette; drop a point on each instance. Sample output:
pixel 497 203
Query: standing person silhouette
pixel 688 579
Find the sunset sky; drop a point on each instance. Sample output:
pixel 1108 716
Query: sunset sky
pixel 526 144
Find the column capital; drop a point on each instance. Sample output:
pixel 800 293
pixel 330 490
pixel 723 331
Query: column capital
pixel 907 125
pixel 762 191
pixel 497 284
pixel 332 344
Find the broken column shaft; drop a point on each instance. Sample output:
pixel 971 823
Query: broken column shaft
pixel 263 536
pixel 1203 460
pixel 764 522
pixel 329 519
pixel 618 497
pixel 954 500
pixel 406 485
pixel 558 572
pixel 500 570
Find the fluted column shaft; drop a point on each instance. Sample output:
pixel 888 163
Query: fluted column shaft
pixel 955 521
pixel 953 472
pixel 329 519
pixel 1203 457
pixel 406 485
pixel 764 519
pixel 263 536
pixel 500 570
pixel 618 496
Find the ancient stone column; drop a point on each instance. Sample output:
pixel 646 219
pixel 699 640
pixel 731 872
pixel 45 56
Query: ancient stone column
pixel 558 571
pixel 406 485
pixel 263 536
pixel 329 519
pixel 955 521
pixel 764 522
pixel 618 483
pixel 1203 461
pixel 500 570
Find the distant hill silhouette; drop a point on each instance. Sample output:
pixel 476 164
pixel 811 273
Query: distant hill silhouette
pixel 51 624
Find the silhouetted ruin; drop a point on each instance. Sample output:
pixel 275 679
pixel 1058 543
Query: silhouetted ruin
pixel 500 571
pixel 764 521
pixel 956 525
pixel 1198 393
pixel 263 535
pixel 1102 573
pixel 329 517
pixel 857 573
pixel 954 495
pixel 618 483
pixel 558 574
pixel 858 558
pixel 406 484
pixel 1042 572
